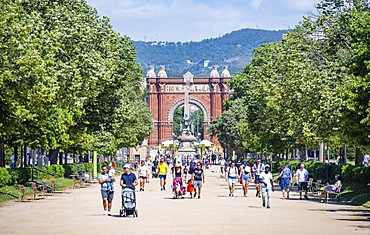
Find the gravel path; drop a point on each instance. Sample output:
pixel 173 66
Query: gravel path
pixel 80 212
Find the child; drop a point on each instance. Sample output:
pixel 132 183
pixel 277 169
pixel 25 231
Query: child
pixel 111 174
pixel 190 188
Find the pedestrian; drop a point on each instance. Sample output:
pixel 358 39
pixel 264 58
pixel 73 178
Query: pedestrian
pixel 12 161
pixel 302 178
pixel 267 186
pixel 128 179
pixel 245 177
pixel 143 173
pixel 285 180
pixel 222 166
pixel 190 187
pixel 198 179
pixel 366 159
pixel 106 193
pixel 149 164
pixel 162 171
pixel 257 169
pixel 111 173
pixel 232 173
pixel 192 165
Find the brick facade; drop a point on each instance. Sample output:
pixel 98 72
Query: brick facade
pixel 165 95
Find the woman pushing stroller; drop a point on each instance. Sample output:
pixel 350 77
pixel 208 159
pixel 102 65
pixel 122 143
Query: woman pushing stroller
pixel 177 184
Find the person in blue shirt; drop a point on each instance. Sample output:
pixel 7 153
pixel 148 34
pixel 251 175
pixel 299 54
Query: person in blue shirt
pixel 285 180
pixel 128 179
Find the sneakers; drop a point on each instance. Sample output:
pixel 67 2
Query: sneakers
pixel 164 187
pixel 306 197
pixel 109 213
pixel 263 204
pixel 268 207
pixel 105 212
pixel 300 198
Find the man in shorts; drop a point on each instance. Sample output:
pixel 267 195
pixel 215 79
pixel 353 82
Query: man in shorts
pixel 198 179
pixel 302 177
pixel 106 193
pixel 162 171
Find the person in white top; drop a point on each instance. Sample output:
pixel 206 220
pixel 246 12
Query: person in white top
pixel 143 173
pixel 267 186
pixel 149 164
pixel 232 174
pixel 222 165
pixel 302 177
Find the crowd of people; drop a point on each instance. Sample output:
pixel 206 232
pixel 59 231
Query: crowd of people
pixel 188 177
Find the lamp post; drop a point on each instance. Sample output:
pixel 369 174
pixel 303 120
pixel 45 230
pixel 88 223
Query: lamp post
pixel 173 146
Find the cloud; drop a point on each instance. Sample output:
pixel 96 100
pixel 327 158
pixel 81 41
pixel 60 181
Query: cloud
pixel 194 20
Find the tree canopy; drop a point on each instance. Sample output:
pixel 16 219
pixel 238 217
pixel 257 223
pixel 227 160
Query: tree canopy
pixel 310 87
pixel 67 79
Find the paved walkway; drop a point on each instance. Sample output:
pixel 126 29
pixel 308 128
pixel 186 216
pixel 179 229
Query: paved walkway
pixel 80 212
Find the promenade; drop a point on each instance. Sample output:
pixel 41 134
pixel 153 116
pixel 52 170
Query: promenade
pixel 80 212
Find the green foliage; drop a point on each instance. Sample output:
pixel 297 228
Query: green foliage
pixel 20 175
pixel 5 177
pixel 310 87
pixel 68 80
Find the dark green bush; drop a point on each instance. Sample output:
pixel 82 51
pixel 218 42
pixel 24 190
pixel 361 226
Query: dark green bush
pixel 20 175
pixel 5 177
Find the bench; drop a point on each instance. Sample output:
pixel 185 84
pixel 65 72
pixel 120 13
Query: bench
pixel 335 195
pixel 55 187
pixel 22 192
pixel 37 194
pixel 314 187
pixel 76 182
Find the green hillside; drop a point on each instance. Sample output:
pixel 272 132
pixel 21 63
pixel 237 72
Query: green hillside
pixel 233 50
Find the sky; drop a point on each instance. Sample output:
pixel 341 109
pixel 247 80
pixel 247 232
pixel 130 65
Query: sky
pixel 195 20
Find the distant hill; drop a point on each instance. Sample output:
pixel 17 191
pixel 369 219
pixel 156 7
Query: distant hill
pixel 233 50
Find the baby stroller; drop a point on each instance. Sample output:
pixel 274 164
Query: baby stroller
pixel 177 188
pixel 154 172
pixel 128 202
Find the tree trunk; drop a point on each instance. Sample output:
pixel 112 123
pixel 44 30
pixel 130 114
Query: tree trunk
pixel 16 156
pixel 359 157
pixel 2 153
pixel 321 152
pixel 60 158
pixel 286 154
pixel 65 157
pixel 344 156
pixel 25 155
pixel 53 154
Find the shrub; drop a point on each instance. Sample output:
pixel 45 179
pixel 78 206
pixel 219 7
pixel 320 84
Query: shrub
pixel 5 177
pixel 20 175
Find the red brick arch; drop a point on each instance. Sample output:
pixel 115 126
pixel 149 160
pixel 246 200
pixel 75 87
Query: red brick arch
pixel 165 95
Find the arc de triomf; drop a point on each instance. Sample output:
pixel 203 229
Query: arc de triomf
pixel 165 95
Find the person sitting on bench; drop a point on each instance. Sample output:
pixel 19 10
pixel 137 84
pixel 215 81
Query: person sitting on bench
pixel 332 188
